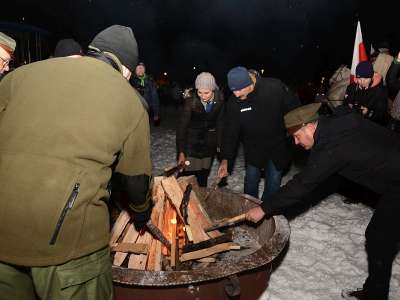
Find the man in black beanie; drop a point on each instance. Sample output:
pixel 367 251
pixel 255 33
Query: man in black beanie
pixel 254 115
pixel 367 95
pixel 71 124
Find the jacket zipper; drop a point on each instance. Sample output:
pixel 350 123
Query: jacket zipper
pixel 70 203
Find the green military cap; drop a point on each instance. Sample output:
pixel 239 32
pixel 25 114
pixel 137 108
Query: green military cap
pixel 7 43
pixel 300 116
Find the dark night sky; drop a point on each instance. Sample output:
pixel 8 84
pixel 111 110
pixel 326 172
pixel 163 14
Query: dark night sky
pixel 290 39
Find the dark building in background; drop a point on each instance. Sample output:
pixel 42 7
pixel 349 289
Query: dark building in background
pixel 33 43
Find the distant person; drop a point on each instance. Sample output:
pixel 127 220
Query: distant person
pixel 381 60
pixel 254 116
pixel 393 83
pixel 351 146
pixel 146 86
pixel 68 47
pixel 367 95
pixel 199 131
pixel 64 122
pixel 7 48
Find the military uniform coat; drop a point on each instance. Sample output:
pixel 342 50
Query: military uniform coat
pixel 62 123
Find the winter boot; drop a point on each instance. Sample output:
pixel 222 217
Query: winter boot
pixel 353 294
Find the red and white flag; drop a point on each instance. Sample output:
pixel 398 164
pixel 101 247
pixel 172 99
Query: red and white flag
pixel 359 53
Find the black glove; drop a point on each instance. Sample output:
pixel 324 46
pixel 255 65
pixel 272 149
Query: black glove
pixel 140 219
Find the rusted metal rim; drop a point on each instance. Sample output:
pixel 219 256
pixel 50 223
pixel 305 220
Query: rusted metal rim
pixel 218 270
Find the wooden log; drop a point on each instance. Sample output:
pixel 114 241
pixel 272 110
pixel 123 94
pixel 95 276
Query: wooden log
pixel 138 261
pixel 130 237
pixel 174 193
pixel 174 245
pixel 130 248
pixel 198 218
pixel 119 226
pixel 158 244
pixel 155 251
pixel 207 260
pixel 226 222
pixel 207 252
pixel 226 238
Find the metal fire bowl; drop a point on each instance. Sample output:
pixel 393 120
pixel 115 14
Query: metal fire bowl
pixel 272 234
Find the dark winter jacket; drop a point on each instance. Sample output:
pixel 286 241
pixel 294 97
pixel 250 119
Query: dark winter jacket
pixel 258 123
pixel 351 146
pixel 148 92
pixel 199 133
pixel 374 98
pixel 393 79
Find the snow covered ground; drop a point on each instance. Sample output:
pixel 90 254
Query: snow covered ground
pixel 326 251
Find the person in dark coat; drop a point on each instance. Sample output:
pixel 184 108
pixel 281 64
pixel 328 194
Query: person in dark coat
pixel 254 115
pixel 146 86
pixel 199 130
pixel 362 151
pixel 393 77
pixel 367 95
pixel 393 83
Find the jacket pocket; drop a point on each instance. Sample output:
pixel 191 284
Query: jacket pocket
pixel 68 206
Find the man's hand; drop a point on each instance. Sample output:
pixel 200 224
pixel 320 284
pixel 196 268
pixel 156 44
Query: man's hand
pixel 255 214
pixel 364 110
pixel 181 158
pixel 223 169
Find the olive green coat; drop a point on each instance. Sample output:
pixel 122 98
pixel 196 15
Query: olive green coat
pixel 62 123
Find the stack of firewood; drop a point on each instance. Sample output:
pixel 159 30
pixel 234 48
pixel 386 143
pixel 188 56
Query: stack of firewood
pixel 188 242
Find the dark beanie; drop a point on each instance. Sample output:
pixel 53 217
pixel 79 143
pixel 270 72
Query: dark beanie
pixel 120 41
pixel 238 78
pixel 67 47
pixel 364 70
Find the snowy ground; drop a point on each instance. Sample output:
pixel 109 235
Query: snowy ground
pixel 326 250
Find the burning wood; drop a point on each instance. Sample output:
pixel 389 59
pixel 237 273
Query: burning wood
pixel 182 224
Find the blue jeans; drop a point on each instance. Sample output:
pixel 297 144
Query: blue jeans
pixel 272 178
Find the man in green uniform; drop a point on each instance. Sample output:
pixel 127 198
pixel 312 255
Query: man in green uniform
pixel 7 48
pixel 63 123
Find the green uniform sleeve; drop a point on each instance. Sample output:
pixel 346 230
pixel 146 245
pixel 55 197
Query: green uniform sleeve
pixel 135 155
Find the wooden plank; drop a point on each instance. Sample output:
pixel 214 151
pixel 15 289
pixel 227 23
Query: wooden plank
pixel 198 218
pixel 207 260
pixel 174 246
pixel 174 193
pixel 138 261
pixel 153 261
pixel 119 226
pixel 130 237
pixel 130 248
pixel 158 253
pixel 208 252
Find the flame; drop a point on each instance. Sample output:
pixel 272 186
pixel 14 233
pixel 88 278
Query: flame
pixel 173 221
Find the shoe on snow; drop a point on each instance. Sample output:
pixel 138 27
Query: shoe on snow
pixel 353 294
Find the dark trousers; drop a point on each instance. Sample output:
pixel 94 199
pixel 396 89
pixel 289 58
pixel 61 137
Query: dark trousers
pixel 272 178
pixel 382 238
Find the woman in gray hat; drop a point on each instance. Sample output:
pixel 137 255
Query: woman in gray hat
pixel 200 128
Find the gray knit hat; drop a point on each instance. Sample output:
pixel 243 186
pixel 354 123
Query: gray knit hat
pixel 120 41
pixel 205 81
